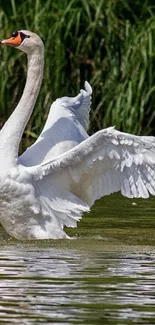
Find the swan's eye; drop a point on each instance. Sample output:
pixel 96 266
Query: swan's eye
pixel 23 36
pixel 15 34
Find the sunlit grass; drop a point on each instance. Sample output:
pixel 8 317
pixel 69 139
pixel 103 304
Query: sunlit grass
pixel 109 43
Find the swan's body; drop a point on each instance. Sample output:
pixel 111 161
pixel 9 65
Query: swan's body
pixel 65 171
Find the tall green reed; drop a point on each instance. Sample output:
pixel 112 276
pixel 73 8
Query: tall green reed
pixel 109 43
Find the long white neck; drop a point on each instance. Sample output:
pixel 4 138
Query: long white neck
pixel 13 129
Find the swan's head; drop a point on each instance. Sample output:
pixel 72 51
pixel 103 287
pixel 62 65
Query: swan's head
pixel 25 41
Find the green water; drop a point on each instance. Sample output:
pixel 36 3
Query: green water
pixel 104 275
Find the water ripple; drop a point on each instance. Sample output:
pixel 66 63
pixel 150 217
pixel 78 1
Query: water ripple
pixel 67 286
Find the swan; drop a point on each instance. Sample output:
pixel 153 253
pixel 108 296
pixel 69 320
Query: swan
pixel 61 175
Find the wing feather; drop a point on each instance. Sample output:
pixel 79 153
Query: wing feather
pixel 65 127
pixel 107 162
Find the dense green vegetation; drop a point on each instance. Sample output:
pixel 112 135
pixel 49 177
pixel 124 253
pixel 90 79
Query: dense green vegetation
pixel 107 42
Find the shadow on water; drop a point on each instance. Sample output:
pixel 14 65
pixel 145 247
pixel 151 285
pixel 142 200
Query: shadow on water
pixel 105 275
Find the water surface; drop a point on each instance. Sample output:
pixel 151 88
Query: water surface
pixel 105 275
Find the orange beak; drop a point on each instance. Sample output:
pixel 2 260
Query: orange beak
pixel 13 41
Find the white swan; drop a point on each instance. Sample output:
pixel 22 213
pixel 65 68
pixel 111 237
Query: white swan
pixel 65 171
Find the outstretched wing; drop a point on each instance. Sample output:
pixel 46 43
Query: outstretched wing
pixel 106 162
pixel 65 127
